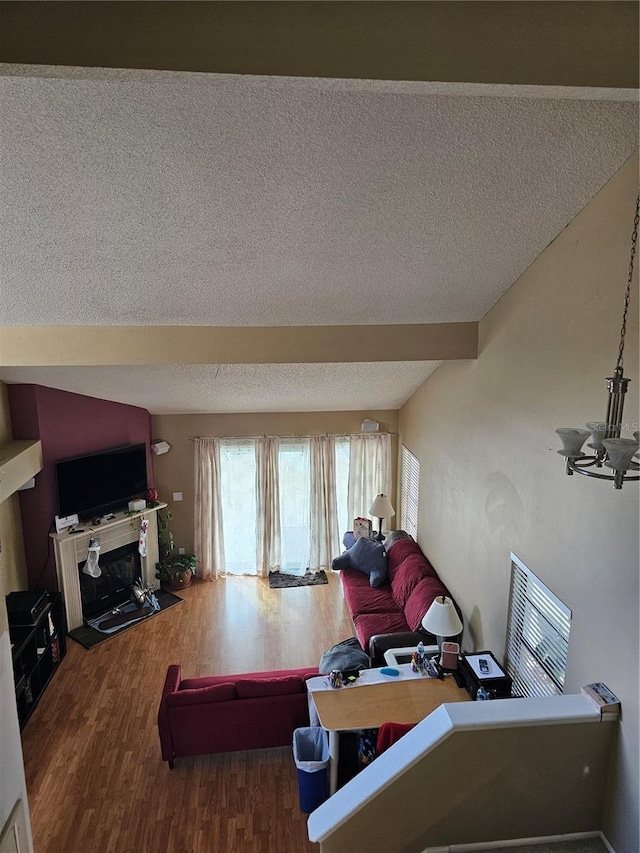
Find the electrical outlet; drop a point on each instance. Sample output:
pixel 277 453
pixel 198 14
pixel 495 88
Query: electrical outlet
pixel 177 496
pixel 181 551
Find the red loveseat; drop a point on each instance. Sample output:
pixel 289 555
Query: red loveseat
pixel 397 607
pixel 224 713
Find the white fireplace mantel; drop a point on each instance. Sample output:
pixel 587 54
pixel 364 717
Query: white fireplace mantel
pixel 72 548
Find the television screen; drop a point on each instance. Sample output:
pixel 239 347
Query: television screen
pixel 96 484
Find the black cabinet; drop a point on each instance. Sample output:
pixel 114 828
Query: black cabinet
pixel 37 647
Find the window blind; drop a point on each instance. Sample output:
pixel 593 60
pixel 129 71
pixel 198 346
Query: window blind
pixel 409 492
pixel 537 635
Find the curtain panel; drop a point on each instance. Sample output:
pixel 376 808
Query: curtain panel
pixel 278 499
pixel 207 511
pixel 369 471
pixel 268 544
pixel 325 536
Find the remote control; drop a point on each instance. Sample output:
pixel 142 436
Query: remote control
pixel 484 666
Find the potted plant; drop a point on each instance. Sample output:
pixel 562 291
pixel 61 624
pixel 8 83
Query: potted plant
pixel 173 570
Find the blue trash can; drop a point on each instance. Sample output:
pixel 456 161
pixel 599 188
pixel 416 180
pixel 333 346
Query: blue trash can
pixel 311 755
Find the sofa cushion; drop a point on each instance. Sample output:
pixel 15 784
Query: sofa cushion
pixel 361 598
pixel 209 680
pixel 368 624
pixel 202 695
pixel 405 577
pixel 367 556
pixel 421 599
pixel 255 688
pixel 401 549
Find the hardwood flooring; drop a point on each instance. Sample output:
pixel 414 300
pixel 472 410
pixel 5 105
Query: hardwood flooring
pixel 95 778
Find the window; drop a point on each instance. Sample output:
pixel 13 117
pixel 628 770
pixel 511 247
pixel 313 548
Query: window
pixel 238 493
pixel 537 635
pixel 409 491
pixel 283 502
pixel 342 484
pixel 295 527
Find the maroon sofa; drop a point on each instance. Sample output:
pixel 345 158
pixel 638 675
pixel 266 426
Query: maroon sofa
pixel 391 615
pixel 223 713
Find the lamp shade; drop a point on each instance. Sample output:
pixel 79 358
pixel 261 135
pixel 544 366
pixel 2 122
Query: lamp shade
pixel 442 618
pixel 381 507
pixel 620 452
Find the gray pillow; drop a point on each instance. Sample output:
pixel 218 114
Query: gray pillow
pixel 344 656
pixel 395 535
pixel 367 556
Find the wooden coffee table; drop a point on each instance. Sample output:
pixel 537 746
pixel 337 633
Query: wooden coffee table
pixel 371 705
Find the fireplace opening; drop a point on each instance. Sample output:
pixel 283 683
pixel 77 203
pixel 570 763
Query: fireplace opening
pixel 120 568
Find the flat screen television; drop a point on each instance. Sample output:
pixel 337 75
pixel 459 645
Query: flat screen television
pixel 101 482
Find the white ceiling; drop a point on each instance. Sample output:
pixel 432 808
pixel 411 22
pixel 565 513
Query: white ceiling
pixel 133 198
pixel 204 388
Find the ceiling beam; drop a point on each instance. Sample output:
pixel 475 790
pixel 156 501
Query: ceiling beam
pixel 112 345
pixel 538 42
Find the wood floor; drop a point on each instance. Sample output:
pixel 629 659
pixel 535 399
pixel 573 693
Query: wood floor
pixel 95 778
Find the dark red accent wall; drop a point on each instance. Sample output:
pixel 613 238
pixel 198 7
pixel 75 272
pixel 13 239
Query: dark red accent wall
pixel 67 425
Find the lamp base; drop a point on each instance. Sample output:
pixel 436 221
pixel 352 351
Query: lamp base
pixel 379 536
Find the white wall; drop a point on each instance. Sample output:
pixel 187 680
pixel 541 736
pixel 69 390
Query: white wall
pixel 491 480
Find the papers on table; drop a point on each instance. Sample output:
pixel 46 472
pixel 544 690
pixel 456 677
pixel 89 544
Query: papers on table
pixel 367 676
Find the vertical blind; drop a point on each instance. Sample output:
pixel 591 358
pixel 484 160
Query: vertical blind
pixel 409 492
pixel 537 635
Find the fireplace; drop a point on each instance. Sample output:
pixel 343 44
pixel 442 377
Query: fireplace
pixel 123 532
pixel 119 569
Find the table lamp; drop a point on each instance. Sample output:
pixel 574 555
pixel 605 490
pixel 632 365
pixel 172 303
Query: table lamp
pixel 442 620
pixel 381 508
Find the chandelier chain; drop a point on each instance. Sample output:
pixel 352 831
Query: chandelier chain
pixel 627 296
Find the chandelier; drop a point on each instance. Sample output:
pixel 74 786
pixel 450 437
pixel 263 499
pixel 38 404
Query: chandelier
pixel 608 448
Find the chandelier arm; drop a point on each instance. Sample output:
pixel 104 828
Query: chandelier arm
pixel 610 477
pixel 587 462
pixel 627 296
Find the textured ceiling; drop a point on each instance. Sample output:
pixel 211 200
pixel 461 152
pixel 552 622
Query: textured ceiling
pixel 134 198
pixel 206 388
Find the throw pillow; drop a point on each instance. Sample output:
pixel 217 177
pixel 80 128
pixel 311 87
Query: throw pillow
pixel 344 656
pixel 395 536
pixel 367 556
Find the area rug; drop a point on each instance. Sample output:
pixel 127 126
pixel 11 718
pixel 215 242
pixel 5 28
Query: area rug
pixel 89 637
pixel 280 580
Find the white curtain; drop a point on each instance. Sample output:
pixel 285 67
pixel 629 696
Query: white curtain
pixel 208 534
pixel 268 540
pixel 279 504
pixel 369 471
pixel 325 536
